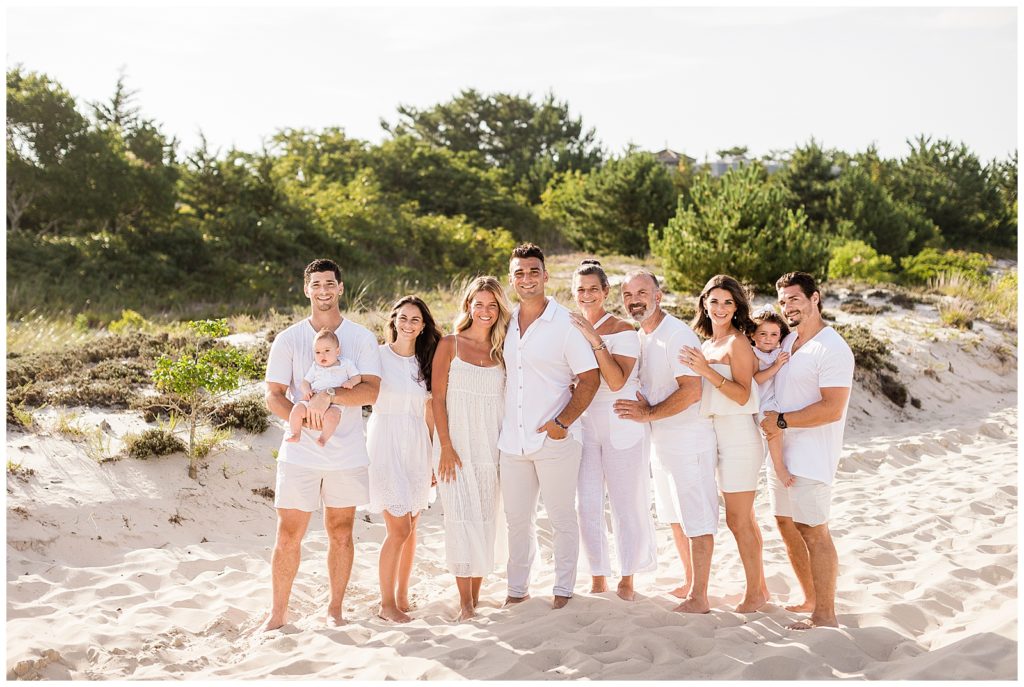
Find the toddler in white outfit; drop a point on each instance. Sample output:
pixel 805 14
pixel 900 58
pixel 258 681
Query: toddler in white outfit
pixel 767 340
pixel 329 371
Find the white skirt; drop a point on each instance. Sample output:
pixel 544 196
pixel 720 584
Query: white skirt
pixel 740 452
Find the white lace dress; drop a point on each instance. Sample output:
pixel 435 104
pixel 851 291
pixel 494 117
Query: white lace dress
pixel 472 501
pixel 397 438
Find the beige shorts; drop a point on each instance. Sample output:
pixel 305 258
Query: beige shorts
pixel 305 488
pixel 685 491
pixel 807 501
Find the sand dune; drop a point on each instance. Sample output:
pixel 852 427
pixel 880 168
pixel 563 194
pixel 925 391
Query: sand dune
pixel 101 585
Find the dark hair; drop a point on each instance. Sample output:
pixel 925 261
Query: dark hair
pixel 591 267
pixel 768 314
pixel 527 250
pixel 426 341
pixel 321 265
pixel 804 281
pixel 740 319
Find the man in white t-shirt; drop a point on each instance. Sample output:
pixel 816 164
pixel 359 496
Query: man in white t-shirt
pixel 812 391
pixel 541 441
pixel 309 475
pixel 683 444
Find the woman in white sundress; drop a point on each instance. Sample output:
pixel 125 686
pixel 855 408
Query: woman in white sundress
pixel 398 441
pixel 468 401
pixel 613 448
pixel 729 397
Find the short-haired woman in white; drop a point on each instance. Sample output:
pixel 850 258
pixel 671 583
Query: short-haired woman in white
pixel 613 448
pixel 468 402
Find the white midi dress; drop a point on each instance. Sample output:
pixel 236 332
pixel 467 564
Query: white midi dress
pixel 740 451
pixel 475 402
pixel 397 438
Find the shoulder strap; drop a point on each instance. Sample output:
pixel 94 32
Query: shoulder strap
pixel 597 325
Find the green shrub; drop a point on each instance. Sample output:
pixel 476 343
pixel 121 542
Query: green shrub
pixel 153 442
pixel 893 389
pixel 869 352
pixel 249 413
pixel 858 260
pixel 738 225
pixel 931 264
pixel 130 321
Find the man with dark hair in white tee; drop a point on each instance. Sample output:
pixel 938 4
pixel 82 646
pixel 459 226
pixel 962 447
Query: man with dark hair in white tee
pixel 813 392
pixel 308 474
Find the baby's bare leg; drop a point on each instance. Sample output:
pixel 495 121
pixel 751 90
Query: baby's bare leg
pixel 295 419
pixel 331 419
pixel 775 451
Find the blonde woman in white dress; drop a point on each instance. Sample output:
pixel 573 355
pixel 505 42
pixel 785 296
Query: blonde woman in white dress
pixel 468 403
pixel 727 363
pixel 613 448
pixel 398 441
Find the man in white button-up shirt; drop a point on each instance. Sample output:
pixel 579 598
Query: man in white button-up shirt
pixel 541 442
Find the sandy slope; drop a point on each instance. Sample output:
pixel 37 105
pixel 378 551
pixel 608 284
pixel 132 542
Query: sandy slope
pixel 101 585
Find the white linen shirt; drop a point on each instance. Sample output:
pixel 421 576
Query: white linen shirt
pixel 291 355
pixel 686 431
pixel 540 365
pixel 824 361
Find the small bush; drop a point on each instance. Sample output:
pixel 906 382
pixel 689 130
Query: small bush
pixel 19 471
pixel 930 263
pixel 869 352
pixel 904 300
pixel 957 313
pixel 857 260
pixel 265 492
pixel 99 394
pixel 130 321
pixel 156 406
pixel 153 442
pixel 66 425
pixel 893 389
pixel 856 306
pixel 685 309
pixel 249 413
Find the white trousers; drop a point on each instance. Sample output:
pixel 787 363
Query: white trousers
pixel 625 473
pixel 550 473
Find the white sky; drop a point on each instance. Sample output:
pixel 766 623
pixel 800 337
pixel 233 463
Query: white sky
pixel 698 79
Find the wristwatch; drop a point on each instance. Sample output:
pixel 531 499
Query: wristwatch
pixel 559 423
pixel 780 421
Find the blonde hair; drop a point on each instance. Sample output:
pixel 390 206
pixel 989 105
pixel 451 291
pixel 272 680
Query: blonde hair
pixel 464 319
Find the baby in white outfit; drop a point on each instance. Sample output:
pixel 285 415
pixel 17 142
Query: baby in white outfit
pixel 329 371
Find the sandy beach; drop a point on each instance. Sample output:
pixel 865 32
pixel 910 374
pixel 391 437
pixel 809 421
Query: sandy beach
pixel 130 570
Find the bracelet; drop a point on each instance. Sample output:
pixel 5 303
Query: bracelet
pixel 595 349
pixel 722 383
pixel 559 423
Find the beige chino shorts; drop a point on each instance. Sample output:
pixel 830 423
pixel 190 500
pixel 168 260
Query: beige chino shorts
pixel 304 489
pixel 807 501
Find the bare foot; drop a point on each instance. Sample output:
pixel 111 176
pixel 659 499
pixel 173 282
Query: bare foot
pixel 625 590
pixel 509 600
pixel 750 605
pixel 804 607
pixel 559 602
pixel 681 592
pixel 393 614
pixel 465 614
pixel 809 623
pixel 334 618
pixel 402 601
pixel 692 605
pixel 598 584
pixel 274 623
pixel 292 438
